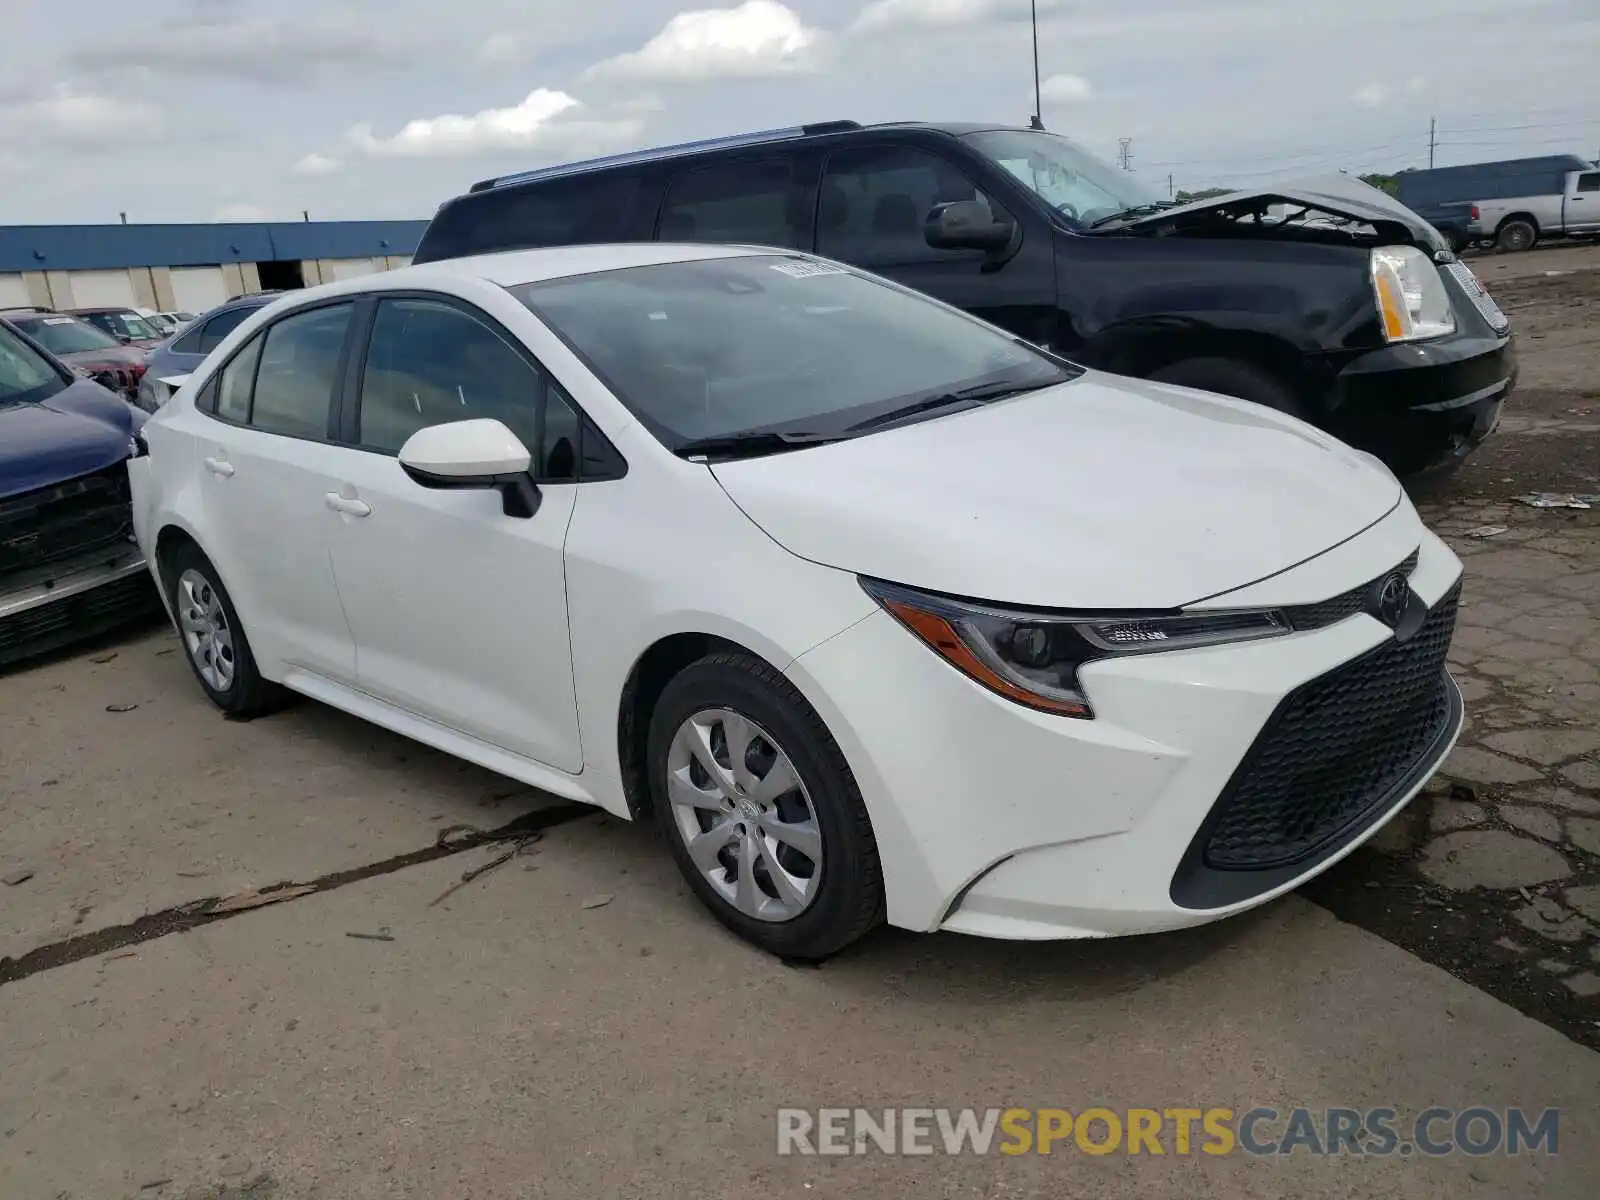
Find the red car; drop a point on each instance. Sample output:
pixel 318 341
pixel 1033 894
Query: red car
pixel 85 348
pixel 127 326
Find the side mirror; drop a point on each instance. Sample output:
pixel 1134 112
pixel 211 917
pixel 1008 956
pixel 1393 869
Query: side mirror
pixel 968 225
pixel 480 453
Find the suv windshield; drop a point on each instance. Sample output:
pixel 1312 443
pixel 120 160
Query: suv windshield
pixel 124 324
pixel 774 343
pixel 1070 179
pixel 24 374
pixel 65 335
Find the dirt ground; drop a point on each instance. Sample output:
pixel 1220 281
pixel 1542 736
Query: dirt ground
pixel 241 961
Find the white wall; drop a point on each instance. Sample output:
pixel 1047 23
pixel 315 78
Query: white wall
pixel 198 289
pixel 91 289
pixel 352 268
pixel 13 292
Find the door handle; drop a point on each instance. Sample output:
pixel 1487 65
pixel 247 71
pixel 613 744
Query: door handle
pixel 219 466
pixel 348 505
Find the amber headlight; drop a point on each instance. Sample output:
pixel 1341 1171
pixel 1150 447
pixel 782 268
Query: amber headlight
pixel 1411 296
pixel 1033 657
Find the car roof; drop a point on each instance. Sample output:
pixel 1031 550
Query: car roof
pixel 511 268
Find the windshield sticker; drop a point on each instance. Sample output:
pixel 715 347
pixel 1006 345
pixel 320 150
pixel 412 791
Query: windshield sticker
pixel 805 270
pixel 58 320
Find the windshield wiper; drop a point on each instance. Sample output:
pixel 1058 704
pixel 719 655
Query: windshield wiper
pixel 978 394
pixel 751 444
pixel 1138 210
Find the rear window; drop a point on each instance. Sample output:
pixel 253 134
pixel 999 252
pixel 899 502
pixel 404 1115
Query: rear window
pixel 772 342
pixel 562 212
pixel 66 335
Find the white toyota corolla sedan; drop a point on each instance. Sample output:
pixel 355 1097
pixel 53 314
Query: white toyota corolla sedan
pixel 880 612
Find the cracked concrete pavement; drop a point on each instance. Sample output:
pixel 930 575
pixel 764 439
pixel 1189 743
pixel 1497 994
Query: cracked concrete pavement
pixel 573 1024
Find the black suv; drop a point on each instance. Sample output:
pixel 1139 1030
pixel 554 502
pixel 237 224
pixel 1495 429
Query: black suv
pixel 1328 300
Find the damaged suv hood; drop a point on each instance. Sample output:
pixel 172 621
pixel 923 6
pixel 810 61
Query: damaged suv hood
pixel 1331 199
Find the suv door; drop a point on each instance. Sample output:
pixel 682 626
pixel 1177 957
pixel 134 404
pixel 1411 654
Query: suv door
pixel 874 203
pixel 265 457
pixel 459 611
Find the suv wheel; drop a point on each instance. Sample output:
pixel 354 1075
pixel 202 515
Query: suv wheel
pixel 1236 378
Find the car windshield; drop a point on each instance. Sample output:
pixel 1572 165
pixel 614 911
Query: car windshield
pixel 1070 179
pixel 66 335
pixel 125 324
pixel 726 346
pixel 25 375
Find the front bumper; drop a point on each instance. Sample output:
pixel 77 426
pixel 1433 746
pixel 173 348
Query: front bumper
pixel 995 819
pixel 78 600
pixel 1424 407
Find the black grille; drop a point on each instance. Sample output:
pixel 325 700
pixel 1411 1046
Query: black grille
pixel 1348 604
pixel 51 626
pixel 65 521
pixel 1336 751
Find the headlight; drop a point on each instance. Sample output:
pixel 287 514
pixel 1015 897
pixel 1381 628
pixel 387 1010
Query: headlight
pixel 1411 296
pixel 1033 657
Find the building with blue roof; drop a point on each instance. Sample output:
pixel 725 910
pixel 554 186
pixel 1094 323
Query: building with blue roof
pixel 189 268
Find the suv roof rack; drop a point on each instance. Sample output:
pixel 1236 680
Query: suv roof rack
pixel 733 141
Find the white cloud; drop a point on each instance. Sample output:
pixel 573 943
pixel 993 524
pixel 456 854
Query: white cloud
pixel 760 38
pixel 1065 89
pixel 317 164
pixel 81 118
pixel 1370 95
pixel 544 120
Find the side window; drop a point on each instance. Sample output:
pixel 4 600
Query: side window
pixel 737 202
pixel 1589 182
pixel 563 437
pixel 299 370
pixel 564 212
pixel 875 202
pixel 238 377
pixel 430 363
pixel 219 327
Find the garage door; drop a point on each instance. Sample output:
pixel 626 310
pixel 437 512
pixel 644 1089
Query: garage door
pixel 353 268
pixel 13 292
pixel 94 289
pixel 198 289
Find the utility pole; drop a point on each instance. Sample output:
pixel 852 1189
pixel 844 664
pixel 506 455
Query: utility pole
pixel 124 217
pixel 1125 153
pixel 1433 125
pixel 1038 107
pixel 306 213
pixel 1170 193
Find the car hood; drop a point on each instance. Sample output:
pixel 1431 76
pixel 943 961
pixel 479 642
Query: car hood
pixel 1098 493
pixel 122 356
pixel 81 429
pixel 1339 196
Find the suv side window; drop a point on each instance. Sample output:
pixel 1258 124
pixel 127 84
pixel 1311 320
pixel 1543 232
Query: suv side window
pixel 562 212
pixel 875 202
pixel 298 372
pixel 429 363
pixel 737 202
pixel 1589 182
pixel 203 339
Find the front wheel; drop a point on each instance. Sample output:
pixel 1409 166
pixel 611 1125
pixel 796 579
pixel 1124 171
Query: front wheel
pixel 760 809
pixel 1236 378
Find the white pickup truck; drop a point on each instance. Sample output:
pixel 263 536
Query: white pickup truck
pixel 1518 222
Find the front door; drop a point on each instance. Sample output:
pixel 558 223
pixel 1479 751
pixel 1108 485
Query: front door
pixel 459 612
pixel 872 212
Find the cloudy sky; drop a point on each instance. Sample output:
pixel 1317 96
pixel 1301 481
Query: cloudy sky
pixel 177 110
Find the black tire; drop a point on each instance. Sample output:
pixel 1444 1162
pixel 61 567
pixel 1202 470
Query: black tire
pixel 849 898
pixel 247 693
pixel 1236 378
pixel 1516 234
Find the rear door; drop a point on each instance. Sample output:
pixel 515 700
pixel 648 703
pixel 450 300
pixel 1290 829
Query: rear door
pixel 1583 204
pixel 266 456
pixel 874 204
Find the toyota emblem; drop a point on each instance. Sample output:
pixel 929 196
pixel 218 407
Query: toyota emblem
pixel 1391 601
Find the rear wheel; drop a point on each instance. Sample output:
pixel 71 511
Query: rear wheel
pixel 214 641
pixel 1517 234
pixel 760 809
pixel 1234 377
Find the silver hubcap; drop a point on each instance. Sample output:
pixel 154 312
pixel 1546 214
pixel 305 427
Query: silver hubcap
pixel 744 815
pixel 205 629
